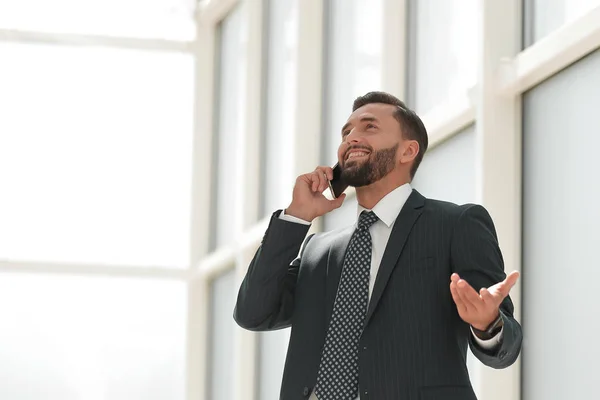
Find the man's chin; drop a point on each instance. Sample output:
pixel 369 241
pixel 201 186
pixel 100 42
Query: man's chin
pixel 355 163
pixel 356 181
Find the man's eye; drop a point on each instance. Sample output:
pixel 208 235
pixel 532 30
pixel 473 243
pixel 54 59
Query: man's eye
pixel 369 126
pixel 345 133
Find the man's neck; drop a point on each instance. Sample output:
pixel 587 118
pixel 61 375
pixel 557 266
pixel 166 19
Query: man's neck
pixel 369 196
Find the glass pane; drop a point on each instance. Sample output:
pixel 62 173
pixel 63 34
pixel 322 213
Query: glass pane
pixel 277 166
pixel 272 352
pixel 223 292
pixel 95 159
pixel 161 19
pixel 353 63
pixel 560 234
pixel 545 16
pixel 443 49
pixel 227 179
pixel 447 171
pixel 81 338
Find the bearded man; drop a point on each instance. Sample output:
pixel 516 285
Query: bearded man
pixel 385 308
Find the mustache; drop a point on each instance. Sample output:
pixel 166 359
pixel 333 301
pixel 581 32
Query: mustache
pixel 367 148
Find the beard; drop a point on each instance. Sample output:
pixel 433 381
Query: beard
pixel 377 165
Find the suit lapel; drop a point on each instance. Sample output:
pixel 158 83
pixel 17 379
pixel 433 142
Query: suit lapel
pixel 402 227
pixel 335 263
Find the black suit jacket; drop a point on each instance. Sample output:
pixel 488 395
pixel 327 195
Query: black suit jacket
pixel 414 344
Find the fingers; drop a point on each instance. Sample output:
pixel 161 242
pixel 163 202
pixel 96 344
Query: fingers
pixel 507 284
pixel 320 178
pixel 460 305
pixel 469 296
pixel 464 294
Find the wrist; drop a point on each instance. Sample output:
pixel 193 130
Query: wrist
pixel 486 325
pixel 490 330
pixel 295 211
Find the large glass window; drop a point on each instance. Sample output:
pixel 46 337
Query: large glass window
pixel 560 234
pixel 161 19
pixel 95 154
pixel 443 50
pixel 542 17
pixel 272 348
pixel 230 122
pixel 73 338
pixel 352 63
pixel 447 171
pixel 221 344
pixel 279 111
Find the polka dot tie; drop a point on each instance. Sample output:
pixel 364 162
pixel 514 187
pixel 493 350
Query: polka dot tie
pixel 337 378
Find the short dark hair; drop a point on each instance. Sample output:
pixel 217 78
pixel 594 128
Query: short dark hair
pixel 411 125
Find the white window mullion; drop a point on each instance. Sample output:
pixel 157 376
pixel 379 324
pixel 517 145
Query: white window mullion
pixel 71 39
pixel 395 41
pixel 498 165
pixel 308 125
pixel 198 295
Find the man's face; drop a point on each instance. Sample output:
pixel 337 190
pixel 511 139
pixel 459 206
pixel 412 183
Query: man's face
pixel 370 141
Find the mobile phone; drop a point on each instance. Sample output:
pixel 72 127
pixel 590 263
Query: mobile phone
pixel 337 185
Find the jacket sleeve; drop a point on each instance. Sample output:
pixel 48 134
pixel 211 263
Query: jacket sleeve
pixel 476 257
pixel 266 296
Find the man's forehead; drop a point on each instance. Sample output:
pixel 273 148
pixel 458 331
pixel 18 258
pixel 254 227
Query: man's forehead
pixel 377 110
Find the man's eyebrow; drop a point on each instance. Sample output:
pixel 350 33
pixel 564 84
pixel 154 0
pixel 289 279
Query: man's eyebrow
pixel 363 119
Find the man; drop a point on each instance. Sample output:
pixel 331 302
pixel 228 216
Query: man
pixel 383 309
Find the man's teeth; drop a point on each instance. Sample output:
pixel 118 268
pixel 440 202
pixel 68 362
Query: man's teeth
pixel 356 154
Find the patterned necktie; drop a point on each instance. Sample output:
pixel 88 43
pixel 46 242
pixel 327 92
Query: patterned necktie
pixel 337 378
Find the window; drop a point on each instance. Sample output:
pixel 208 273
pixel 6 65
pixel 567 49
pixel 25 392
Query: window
pixel 160 19
pixel 279 111
pixel 542 17
pixel 447 171
pixel 272 350
pixel 230 122
pixel 560 236
pixel 281 40
pixel 95 159
pixel 352 63
pixel 443 50
pixel 68 337
pixel 222 328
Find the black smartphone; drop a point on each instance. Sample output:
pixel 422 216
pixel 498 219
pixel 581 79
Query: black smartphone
pixel 337 185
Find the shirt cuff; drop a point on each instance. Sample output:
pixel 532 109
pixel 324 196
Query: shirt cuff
pixel 489 344
pixel 291 218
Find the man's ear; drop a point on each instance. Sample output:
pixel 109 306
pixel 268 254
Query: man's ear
pixel 409 152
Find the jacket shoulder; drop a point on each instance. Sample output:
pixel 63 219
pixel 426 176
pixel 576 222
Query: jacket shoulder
pixel 449 208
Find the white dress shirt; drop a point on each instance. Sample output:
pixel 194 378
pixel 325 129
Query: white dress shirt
pixel 387 209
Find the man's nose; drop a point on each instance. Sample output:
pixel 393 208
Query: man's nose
pixel 353 136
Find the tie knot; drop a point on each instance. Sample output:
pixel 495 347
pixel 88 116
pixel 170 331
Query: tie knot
pixel 366 219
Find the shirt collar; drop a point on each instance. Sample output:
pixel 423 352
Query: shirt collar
pixel 389 206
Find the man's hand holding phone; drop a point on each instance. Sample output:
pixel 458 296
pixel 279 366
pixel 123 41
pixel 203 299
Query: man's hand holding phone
pixel 308 201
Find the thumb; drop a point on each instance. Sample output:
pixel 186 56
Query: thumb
pixel 337 203
pixel 509 282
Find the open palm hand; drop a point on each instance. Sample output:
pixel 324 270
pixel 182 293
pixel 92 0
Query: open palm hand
pixel 480 309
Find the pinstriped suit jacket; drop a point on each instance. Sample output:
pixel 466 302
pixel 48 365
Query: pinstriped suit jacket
pixel 414 344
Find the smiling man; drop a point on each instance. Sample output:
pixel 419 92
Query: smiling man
pixel 385 308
